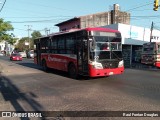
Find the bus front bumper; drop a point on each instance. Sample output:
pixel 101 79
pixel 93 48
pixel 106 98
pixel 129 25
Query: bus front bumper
pixel 105 72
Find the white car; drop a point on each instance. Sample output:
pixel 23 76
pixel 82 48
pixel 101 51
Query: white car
pixel 31 54
pixel 23 54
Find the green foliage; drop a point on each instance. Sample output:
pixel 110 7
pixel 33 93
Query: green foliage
pixel 4 28
pixel 21 44
pixel 12 41
pixel 36 34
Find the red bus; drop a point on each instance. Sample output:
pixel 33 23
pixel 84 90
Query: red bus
pixel 80 52
pixel 151 54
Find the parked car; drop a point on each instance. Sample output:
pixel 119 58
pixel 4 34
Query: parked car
pixel 23 54
pixel 16 57
pixel 31 54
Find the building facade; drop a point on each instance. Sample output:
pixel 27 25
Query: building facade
pixel 2 46
pixel 5 46
pixel 95 20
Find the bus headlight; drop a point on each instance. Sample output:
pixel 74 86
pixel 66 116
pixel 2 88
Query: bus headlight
pixel 97 65
pixel 121 63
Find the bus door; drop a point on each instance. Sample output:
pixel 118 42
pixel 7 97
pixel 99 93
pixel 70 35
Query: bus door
pixel 38 52
pixel 82 56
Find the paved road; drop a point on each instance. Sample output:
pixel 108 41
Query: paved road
pixel 25 87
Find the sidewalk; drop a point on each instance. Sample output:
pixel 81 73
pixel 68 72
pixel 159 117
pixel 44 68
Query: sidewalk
pixel 9 68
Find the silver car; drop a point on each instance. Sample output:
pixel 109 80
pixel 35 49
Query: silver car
pixel 31 54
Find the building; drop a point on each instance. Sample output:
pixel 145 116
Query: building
pixel 2 46
pixel 5 46
pixel 133 37
pixel 95 20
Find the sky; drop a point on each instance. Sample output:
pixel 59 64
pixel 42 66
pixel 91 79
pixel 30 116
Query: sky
pixel 41 14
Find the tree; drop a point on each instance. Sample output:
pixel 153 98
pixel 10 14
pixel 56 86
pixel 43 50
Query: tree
pixel 35 34
pixel 21 44
pixel 4 28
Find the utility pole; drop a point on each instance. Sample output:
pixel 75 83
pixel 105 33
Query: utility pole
pixel 151 31
pixel 47 31
pixel 28 34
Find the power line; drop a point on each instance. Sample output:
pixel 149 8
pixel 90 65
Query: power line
pixel 73 16
pixel 140 17
pixel 140 6
pixel 20 29
pixel 156 27
pixel 3 5
pixel 37 4
pixel 141 10
pixel 29 11
pixel 36 21
pixel 55 20
pixel 61 16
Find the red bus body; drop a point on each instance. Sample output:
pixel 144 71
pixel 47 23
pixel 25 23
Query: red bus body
pixel 151 54
pixel 75 52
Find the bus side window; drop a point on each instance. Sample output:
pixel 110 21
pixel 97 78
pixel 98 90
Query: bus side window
pixel 70 45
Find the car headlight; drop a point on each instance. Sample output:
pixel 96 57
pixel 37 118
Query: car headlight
pixel 121 63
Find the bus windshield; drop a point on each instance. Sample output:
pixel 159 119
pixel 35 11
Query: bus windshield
pixel 106 48
pixel 148 48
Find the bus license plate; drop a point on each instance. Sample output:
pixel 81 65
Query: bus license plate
pixel 110 73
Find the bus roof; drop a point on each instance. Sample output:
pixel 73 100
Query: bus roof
pixel 87 29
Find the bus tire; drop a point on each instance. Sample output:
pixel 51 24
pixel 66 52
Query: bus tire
pixel 44 66
pixel 72 71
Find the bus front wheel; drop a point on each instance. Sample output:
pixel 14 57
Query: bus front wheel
pixel 72 71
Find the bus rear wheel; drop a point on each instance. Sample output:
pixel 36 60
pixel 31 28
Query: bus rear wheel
pixel 72 71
